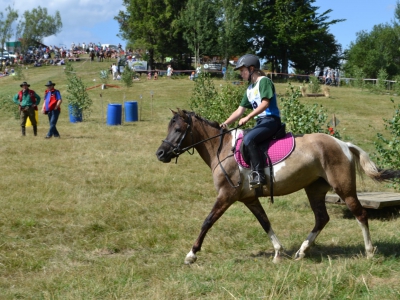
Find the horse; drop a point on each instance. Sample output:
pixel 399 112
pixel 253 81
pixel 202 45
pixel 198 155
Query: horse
pixel 319 163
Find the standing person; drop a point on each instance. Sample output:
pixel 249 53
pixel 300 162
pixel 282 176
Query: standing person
pixel 51 107
pixel 169 71
pixel 28 101
pixel 261 97
pixel 114 70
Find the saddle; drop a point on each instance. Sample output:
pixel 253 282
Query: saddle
pixel 275 149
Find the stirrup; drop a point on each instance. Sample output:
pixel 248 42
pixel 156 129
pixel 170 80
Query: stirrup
pixel 256 179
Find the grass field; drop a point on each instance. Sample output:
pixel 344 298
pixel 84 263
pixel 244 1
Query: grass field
pixel 94 215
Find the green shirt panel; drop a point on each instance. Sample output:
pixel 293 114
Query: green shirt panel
pixel 267 90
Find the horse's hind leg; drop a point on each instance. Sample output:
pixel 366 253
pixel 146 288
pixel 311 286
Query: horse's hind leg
pixel 258 211
pixel 360 213
pixel 316 193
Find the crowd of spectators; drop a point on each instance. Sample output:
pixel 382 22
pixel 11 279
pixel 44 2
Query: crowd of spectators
pixel 57 56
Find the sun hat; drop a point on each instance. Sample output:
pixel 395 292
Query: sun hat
pixel 49 83
pixel 24 83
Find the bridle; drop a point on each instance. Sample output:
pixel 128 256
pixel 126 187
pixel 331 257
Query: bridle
pixel 176 150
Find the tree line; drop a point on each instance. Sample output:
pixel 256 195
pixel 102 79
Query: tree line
pixel 287 33
pixel 32 27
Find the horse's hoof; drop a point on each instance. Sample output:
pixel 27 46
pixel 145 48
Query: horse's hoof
pixel 190 258
pixel 277 260
pixel 299 255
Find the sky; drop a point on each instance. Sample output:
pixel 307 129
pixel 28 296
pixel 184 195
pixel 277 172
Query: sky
pixel 93 20
pixel 360 15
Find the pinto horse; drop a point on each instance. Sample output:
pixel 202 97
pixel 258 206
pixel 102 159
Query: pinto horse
pixel 318 164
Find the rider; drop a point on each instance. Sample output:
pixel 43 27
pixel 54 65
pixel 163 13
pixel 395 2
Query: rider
pixel 261 97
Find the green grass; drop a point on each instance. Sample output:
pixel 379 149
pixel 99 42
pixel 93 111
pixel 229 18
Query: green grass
pixel 94 215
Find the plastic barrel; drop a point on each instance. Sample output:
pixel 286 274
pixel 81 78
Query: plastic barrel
pixel 131 111
pixel 74 119
pixel 114 114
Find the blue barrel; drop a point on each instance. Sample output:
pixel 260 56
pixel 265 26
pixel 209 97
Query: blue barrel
pixel 75 115
pixel 114 114
pixel 131 111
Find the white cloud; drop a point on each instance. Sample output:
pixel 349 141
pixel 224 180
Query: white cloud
pixel 83 20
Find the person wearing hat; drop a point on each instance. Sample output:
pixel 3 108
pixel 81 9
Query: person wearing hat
pixel 260 96
pixel 51 107
pixel 28 101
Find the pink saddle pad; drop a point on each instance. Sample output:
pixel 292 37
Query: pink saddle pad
pixel 278 150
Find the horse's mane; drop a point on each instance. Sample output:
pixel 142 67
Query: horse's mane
pixel 214 124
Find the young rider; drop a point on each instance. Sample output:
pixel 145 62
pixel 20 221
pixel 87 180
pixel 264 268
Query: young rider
pixel 261 97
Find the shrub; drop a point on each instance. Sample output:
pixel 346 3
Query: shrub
pixel 301 118
pixel 8 106
pixel 210 103
pixel 127 76
pixel 389 148
pixel 77 96
pixel 314 86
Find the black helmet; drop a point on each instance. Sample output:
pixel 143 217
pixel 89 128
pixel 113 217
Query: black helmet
pixel 248 60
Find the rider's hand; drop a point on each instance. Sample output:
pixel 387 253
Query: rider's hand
pixel 223 125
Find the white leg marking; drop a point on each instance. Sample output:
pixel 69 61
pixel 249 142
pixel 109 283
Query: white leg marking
pixel 190 258
pixel 306 245
pixel 369 249
pixel 277 245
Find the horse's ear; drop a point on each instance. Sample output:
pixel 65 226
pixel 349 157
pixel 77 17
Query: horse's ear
pixel 181 113
pixel 173 112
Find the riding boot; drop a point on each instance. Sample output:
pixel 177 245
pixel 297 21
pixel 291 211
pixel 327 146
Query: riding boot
pixel 23 130
pixel 35 130
pixel 257 175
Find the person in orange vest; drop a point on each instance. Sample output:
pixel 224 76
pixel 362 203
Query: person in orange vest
pixel 28 101
pixel 51 107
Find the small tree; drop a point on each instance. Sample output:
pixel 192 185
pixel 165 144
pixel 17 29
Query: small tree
pixel 127 76
pixel 314 86
pixel 210 103
pixel 78 98
pixel 104 76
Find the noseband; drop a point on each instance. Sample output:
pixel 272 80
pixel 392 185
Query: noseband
pixel 176 150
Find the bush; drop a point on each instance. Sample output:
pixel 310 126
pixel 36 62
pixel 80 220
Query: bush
pixel 389 148
pixel 127 76
pixel 8 106
pixel 314 87
pixel 210 103
pixel 77 96
pixel 301 118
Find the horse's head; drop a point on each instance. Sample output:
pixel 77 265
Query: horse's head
pixel 179 129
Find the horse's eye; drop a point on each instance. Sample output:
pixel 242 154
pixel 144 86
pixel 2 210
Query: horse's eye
pixel 177 129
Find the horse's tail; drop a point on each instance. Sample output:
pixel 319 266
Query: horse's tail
pixel 365 164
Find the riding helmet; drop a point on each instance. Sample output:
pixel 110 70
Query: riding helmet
pixel 248 60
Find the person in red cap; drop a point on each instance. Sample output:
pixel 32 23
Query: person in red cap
pixel 51 107
pixel 28 101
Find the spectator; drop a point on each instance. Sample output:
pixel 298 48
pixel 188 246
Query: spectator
pixel 27 100
pixel 114 70
pixel 169 71
pixel 51 107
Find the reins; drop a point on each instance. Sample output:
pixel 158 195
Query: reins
pixel 213 137
pixel 178 151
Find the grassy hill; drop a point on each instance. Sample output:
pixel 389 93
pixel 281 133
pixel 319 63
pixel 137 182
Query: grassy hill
pixel 94 215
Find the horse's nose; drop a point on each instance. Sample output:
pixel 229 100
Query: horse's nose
pixel 160 154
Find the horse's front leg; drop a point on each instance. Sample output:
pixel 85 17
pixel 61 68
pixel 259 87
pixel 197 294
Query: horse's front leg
pixel 258 211
pixel 220 206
